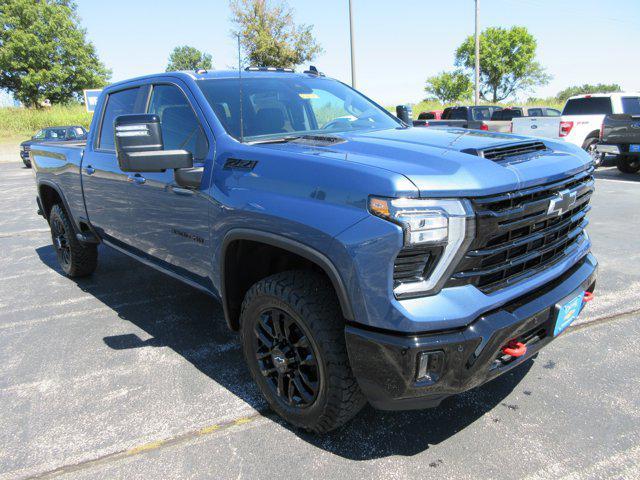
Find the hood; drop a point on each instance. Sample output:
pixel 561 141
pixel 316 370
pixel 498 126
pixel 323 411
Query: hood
pixel 435 161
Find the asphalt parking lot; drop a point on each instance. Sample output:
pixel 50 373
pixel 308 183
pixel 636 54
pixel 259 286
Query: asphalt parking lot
pixel 130 374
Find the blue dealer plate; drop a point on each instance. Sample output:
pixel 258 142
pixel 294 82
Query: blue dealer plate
pixel 568 313
pixel 634 148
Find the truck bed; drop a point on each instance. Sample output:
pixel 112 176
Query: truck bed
pixel 58 165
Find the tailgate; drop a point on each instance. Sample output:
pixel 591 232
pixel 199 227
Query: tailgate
pixel 546 127
pixel 621 129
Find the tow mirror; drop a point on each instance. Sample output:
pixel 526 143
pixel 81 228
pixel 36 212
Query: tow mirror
pixel 139 145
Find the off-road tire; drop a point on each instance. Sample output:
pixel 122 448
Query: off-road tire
pixel 75 259
pixel 628 164
pixel 310 300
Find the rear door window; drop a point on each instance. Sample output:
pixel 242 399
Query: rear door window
pixel 118 103
pixel 588 106
pixel 631 105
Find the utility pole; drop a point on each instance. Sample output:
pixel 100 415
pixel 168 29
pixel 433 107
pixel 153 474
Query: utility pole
pixel 353 55
pixel 477 92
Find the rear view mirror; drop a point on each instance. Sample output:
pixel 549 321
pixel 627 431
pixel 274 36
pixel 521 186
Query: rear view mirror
pixel 139 145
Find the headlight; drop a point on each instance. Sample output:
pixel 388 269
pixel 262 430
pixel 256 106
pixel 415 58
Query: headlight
pixel 441 229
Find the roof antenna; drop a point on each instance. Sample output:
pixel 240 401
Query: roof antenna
pixel 240 88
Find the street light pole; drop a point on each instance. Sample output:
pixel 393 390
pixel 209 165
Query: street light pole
pixel 353 55
pixel 477 92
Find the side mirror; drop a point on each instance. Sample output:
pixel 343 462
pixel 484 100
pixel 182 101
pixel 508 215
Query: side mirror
pixel 139 145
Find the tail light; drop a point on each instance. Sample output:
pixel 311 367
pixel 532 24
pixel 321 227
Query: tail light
pixel 511 127
pixel 565 128
pixel 602 131
pixel 484 126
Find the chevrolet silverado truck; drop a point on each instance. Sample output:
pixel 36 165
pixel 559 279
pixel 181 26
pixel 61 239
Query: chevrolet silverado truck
pixel 359 259
pixel 581 120
pixel 620 136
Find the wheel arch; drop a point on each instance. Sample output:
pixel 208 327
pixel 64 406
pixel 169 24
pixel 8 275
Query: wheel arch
pixel 594 134
pixel 234 282
pixel 50 194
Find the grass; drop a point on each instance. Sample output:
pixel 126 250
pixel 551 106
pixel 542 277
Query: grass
pixel 17 124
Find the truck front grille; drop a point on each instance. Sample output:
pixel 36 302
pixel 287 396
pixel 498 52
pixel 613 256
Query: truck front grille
pixel 521 233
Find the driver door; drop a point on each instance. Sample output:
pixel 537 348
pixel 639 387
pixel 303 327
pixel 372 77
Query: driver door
pixel 170 222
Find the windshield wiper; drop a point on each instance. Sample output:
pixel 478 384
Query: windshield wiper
pixel 275 140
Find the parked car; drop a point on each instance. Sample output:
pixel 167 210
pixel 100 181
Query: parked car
pixel 581 120
pixel 432 115
pixel 52 134
pixel 620 135
pixel 463 117
pixel 501 119
pixel 363 261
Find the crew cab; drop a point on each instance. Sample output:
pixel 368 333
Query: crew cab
pixel 620 136
pixel 463 117
pixel 71 133
pixel 581 120
pixel 359 259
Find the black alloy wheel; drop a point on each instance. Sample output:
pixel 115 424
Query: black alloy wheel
pixel 286 358
pixel 61 243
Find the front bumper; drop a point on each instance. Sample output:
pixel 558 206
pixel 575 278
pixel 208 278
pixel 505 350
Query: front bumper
pixel 386 364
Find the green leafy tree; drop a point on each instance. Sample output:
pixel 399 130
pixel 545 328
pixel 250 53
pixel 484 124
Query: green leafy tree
pixel 507 62
pixel 44 52
pixel 188 58
pixel 563 95
pixel 268 35
pixel 449 87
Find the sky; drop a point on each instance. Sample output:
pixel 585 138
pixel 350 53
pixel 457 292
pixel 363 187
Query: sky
pixel 398 44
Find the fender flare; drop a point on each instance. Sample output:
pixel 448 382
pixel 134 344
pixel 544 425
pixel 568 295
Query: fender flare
pixel 292 246
pixel 65 204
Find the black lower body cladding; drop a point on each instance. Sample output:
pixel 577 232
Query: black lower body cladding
pixel 386 365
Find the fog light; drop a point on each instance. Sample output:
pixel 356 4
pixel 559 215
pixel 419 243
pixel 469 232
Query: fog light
pixel 430 367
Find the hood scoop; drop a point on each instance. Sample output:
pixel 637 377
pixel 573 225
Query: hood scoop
pixel 506 152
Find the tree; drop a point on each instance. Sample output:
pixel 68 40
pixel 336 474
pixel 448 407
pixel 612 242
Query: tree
pixel 188 58
pixel 507 62
pixel 449 87
pixel 268 36
pixel 563 95
pixel 44 53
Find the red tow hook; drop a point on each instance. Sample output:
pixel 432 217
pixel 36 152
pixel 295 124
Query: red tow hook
pixel 514 348
pixel 588 296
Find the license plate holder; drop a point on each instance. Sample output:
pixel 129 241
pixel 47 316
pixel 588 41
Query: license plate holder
pixel 567 312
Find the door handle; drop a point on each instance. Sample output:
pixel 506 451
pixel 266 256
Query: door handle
pixel 137 179
pixel 89 170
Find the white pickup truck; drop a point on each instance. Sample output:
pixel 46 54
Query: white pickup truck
pixel 580 122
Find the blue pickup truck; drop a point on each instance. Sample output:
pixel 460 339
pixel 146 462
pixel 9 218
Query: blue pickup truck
pixel 360 259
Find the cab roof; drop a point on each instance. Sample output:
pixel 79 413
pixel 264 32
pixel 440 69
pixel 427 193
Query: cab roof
pixel 199 75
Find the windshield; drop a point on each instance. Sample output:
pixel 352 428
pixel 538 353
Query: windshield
pixel 277 107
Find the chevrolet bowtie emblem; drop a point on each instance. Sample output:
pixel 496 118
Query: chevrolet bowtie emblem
pixel 562 202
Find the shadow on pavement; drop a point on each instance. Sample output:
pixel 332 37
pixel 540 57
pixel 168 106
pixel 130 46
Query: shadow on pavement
pixel 192 325
pixel 612 173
